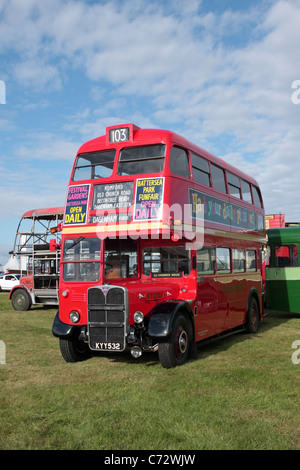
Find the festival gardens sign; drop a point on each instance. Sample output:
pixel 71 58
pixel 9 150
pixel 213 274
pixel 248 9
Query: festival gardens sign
pixel 76 205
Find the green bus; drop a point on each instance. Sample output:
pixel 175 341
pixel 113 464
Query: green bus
pixel 282 272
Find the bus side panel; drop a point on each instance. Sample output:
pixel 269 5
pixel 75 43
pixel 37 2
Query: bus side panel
pixel 282 289
pixel 210 317
pixel 236 299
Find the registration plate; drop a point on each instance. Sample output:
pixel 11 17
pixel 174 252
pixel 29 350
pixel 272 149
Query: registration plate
pixel 107 346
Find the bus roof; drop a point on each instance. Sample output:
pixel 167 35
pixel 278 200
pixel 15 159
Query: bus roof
pixel 145 136
pixel 44 213
pixel 284 235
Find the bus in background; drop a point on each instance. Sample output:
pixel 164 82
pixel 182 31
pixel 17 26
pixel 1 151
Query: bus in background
pixel 38 262
pixel 282 271
pixel 160 248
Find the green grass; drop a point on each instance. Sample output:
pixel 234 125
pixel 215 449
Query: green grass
pixel 241 393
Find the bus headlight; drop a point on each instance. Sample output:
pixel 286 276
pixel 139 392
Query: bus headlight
pixel 138 317
pixel 136 352
pixel 74 316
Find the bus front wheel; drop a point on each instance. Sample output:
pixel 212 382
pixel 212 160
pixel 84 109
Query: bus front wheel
pixel 175 350
pixel 21 300
pixel 74 350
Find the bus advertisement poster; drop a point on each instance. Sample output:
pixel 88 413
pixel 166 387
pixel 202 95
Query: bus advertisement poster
pixel 220 211
pixel 149 199
pixel 76 205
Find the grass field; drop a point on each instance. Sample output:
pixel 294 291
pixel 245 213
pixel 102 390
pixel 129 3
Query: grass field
pixel 241 393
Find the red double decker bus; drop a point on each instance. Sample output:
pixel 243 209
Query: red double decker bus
pixel 160 248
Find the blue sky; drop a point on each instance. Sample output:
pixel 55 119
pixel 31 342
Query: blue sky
pixel 218 72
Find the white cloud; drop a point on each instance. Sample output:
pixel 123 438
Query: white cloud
pixel 221 79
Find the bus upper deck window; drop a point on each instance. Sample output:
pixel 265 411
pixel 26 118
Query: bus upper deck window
pixel 179 163
pixel 234 187
pixel 200 167
pixel 141 160
pixel 246 191
pixel 218 178
pixel 256 197
pixel 94 165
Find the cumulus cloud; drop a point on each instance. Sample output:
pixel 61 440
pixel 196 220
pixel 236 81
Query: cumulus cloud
pixel 222 79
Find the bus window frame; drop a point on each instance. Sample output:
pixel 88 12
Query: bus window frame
pixel 171 159
pixel 167 275
pixel 225 270
pixel 210 272
pixel 223 170
pixel 77 264
pixel 92 166
pixel 243 260
pixel 292 257
pixel 120 258
pixel 120 174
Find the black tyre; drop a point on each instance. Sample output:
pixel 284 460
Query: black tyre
pixel 175 350
pixel 21 300
pixel 74 350
pixel 252 319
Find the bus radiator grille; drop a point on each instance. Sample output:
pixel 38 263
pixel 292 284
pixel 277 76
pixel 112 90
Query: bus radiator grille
pixel 107 318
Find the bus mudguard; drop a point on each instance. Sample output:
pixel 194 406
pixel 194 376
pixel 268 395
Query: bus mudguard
pixel 61 329
pixel 163 316
pixel 19 286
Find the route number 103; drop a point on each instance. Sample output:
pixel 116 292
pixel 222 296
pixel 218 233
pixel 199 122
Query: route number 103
pixel 119 135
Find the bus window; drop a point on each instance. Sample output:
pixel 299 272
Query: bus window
pixel 218 178
pixel 251 260
pixel 234 187
pixel 286 256
pixel 81 259
pixel 223 260
pixel 179 163
pixel 246 191
pixel 200 167
pixel 238 261
pixel 120 260
pixel 206 260
pixel 166 261
pixel 256 197
pixel 94 165
pixel 141 160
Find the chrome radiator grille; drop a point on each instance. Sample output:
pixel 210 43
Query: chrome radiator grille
pixel 107 317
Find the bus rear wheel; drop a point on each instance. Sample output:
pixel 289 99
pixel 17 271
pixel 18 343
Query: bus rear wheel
pixel 175 350
pixel 21 300
pixel 252 319
pixel 74 350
